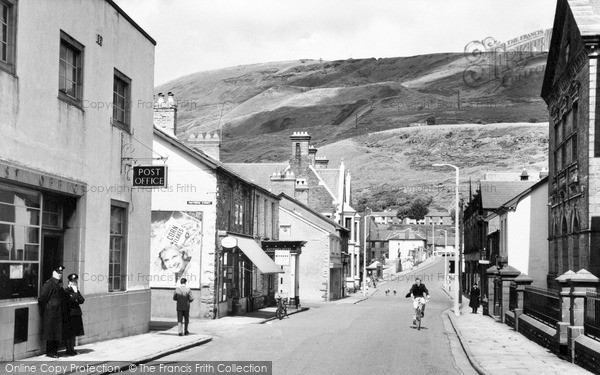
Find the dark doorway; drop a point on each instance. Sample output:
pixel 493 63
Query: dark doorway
pixel 52 253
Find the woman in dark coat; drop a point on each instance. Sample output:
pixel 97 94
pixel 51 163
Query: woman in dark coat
pixel 474 303
pixel 72 322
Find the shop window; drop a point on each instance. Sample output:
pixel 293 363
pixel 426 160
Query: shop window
pixel 20 233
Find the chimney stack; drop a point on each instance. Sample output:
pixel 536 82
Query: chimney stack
pixel 209 143
pixel 165 114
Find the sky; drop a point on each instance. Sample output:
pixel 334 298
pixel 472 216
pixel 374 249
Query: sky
pixel 200 35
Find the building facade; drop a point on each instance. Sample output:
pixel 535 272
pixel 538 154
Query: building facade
pixel 570 90
pixel 310 180
pixel 74 89
pixel 322 260
pixel 523 233
pixel 207 202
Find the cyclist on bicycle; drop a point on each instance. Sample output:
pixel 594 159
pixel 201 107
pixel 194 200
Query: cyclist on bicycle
pixel 419 292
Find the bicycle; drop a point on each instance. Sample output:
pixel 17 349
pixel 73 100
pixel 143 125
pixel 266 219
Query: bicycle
pixel 419 312
pixel 281 311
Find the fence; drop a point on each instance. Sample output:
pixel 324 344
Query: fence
pixel 513 297
pixel 591 321
pixel 542 304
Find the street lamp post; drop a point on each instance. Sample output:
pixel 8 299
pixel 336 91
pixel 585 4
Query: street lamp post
pixel 457 250
pixel 445 258
pixel 364 278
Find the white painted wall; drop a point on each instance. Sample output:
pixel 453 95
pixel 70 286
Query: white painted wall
pixel 526 237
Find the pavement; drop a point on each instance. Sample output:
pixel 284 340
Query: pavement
pixel 493 347
pixel 490 346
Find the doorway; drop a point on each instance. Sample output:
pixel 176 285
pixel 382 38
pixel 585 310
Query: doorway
pixel 52 253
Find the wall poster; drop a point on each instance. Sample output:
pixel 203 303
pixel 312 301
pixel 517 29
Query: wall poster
pixel 176 244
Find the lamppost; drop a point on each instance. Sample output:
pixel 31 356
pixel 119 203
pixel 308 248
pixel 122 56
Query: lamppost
pixel 366 234
pixel 445 258
pixel 457 250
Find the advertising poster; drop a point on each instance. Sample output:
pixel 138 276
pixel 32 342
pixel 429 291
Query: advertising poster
pixel 176 243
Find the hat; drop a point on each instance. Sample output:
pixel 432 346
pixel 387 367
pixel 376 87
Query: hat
pixel 59 269
pixel 73 277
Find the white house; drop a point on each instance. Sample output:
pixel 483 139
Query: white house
pixel 524 232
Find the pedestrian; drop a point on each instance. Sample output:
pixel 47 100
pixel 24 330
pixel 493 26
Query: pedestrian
pixel 72 322
pixel 183 296
pixel 51 303
pixel 474 296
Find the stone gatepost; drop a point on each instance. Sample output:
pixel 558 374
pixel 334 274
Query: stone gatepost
pixel 507 275
pixel 488 306
pixel 565 308
pixel 521 282
pixel 575 286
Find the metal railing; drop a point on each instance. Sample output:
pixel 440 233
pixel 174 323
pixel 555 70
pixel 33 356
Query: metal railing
pixel 513 297
pixel 542 304
pixel 591 320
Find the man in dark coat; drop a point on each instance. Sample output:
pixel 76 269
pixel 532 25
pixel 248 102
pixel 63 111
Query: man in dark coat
pixel 183 296
pixel 474 298
pixel 51 303
pixel 72 322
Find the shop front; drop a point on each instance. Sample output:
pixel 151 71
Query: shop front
pixel 247 277
pixel 33 237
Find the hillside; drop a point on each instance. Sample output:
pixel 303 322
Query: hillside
pixel 399 161
pixel 361 109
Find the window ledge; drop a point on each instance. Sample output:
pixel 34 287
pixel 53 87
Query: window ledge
pixel 120 125
pixel 67 99
pixel 8 68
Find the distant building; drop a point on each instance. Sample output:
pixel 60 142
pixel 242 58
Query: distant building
pixel 438 218
pixel 571 91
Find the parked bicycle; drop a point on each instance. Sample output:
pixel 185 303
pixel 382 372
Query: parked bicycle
pixel 281 311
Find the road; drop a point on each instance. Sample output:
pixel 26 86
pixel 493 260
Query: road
pixel 374 336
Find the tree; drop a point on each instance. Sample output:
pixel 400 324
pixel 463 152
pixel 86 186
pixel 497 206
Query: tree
pixel 417 209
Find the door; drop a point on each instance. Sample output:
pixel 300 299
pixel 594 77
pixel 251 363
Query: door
pixel 52 253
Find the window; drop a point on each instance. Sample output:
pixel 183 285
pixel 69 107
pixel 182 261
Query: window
pixel 52 213
pixel 273 221
pixel 19 242
pixel 118 247
pixel 70 82
pixel 121 101
pixel 7 35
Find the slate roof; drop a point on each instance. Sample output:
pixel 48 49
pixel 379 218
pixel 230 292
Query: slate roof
pixel 259 173
pixel 331 178
pixel 495 193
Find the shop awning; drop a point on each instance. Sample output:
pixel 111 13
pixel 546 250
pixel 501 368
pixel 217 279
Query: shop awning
pixel 257 255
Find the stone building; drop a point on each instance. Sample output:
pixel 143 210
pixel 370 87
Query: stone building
pixel 310 180
pixel 209 202
pixel 570 90
pixel 69 73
